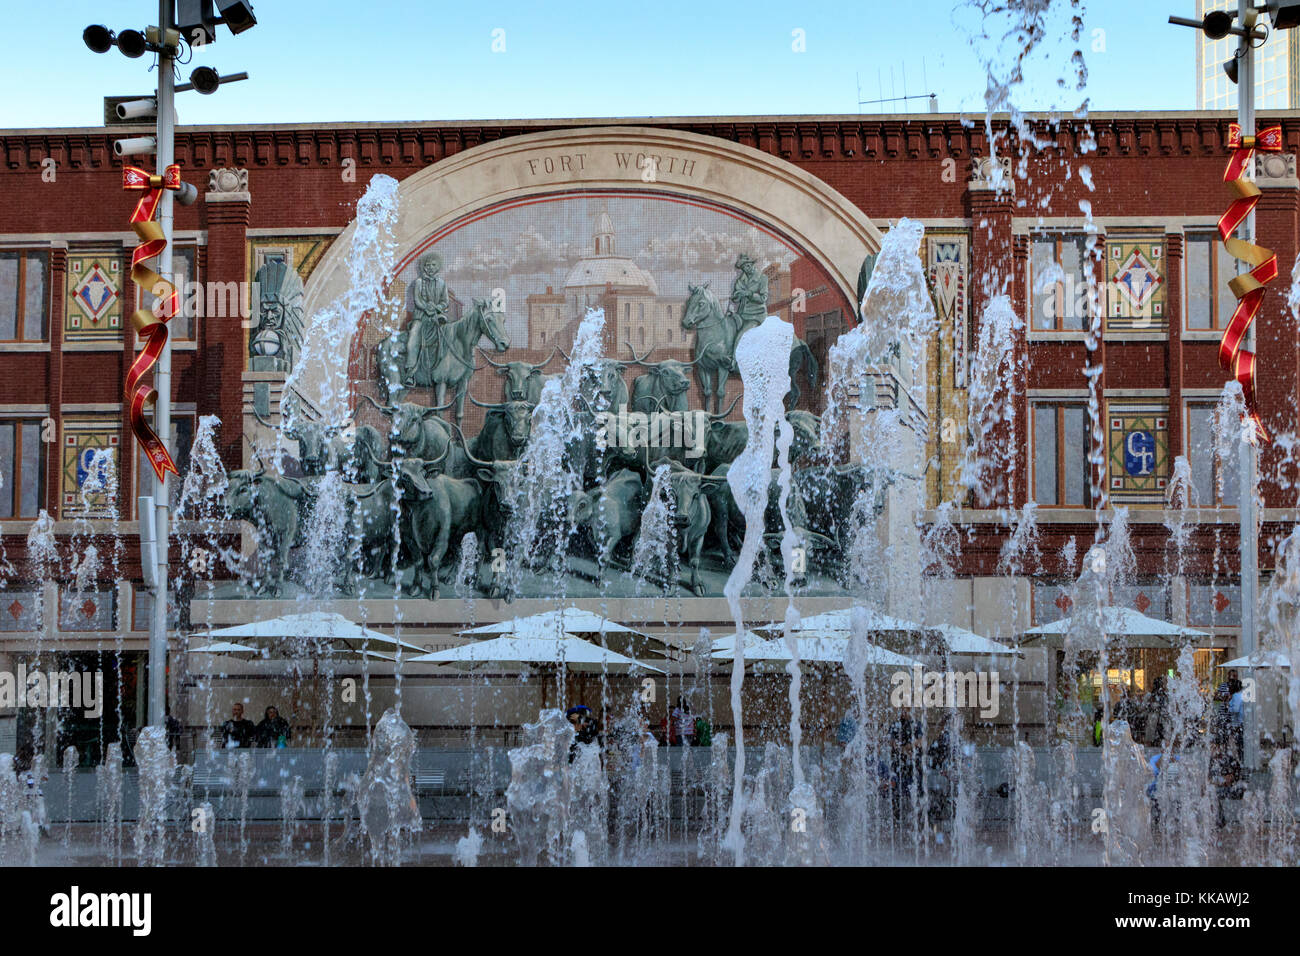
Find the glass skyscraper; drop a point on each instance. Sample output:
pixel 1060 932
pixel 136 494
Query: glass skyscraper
pixel 1277 67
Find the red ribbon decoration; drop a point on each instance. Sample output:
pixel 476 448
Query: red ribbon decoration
pixel 150 326
pixel 1248 287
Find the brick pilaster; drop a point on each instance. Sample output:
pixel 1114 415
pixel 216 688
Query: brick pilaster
pixel 54 376
pixel 992 260
pixel 1277 339
pixel 221 340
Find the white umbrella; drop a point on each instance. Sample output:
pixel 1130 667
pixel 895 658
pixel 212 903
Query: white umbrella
pixel 824 647
pixel 1136 629
pixel 317 627
pixel 1261 659
pixel 223 647
pixel 841 620
pixel 509 651
pixel 962 641
pixel 552 625
pixel 229 647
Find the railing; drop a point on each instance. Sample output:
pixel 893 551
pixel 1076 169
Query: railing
pixel 449 781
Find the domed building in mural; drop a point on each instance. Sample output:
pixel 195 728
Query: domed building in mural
pixel 604 279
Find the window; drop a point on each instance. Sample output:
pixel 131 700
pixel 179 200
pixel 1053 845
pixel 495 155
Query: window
pixel 819 332
pixel 181 326
pixel 22 468
pixel 1209 267
pixel 1057 283
pixel 1214 482
pixel 1061 455
pixel 182 438
pixel 24 298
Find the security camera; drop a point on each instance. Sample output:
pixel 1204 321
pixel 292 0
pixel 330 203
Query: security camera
pixel 135 146
pixel 137 109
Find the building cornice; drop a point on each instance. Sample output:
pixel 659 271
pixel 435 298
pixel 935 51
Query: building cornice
pixel 905 137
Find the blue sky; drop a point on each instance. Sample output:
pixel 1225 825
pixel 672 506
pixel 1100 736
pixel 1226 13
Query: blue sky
pixel 419 60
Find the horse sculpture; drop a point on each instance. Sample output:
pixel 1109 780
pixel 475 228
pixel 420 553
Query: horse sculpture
pixel 451 359
pixel 716 335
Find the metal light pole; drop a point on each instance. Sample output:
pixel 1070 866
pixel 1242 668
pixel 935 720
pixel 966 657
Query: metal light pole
pixel 166 133
pixel 1249 533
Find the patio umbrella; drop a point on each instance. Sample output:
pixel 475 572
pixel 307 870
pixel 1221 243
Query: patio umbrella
pixel 1122 624
pixel 961 641
pixel 319 628
pixel 547 654
pixel 227 647
pixel 509 651
pixel 1261 659
pixel 224 647
pixel 575 621
pixel 841 620
pixel 814 647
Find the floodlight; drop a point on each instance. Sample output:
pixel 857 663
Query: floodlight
pixel 98 38
pixel 1285 14
pixel 237 14
pixel 132 43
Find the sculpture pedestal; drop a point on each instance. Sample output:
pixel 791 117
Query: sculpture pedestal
pixel 262 394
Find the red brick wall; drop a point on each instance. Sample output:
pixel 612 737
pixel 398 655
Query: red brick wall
pixel 1142 166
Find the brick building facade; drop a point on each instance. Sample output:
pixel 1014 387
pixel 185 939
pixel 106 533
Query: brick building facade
pixel 1147 226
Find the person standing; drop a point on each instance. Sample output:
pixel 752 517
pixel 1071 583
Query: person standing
pixel 273 731
pixel 429 315
pixel 237 732
pixel 1236 719
pixel 683 723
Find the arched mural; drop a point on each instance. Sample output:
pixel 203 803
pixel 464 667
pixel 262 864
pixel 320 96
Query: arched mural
pixel 685 243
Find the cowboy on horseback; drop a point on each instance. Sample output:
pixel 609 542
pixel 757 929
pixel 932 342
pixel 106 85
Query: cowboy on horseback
pixel 749 294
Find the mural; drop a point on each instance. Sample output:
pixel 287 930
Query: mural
pixel 947 265
pixel 93 299
pixel 278 267
pixel 1135 273
pixel 85 469
pixel 1138 452
pixel 449 389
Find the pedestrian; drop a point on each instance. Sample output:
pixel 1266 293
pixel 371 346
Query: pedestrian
pixel 173 730
pixel 273 731
pixel 703 732
pixel 585 730
pixel 237 732
pixel 1236 721
pixel 1225 776
pixel 1156 715
pixel 683 723
pixel 846 731
pixel 905 753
